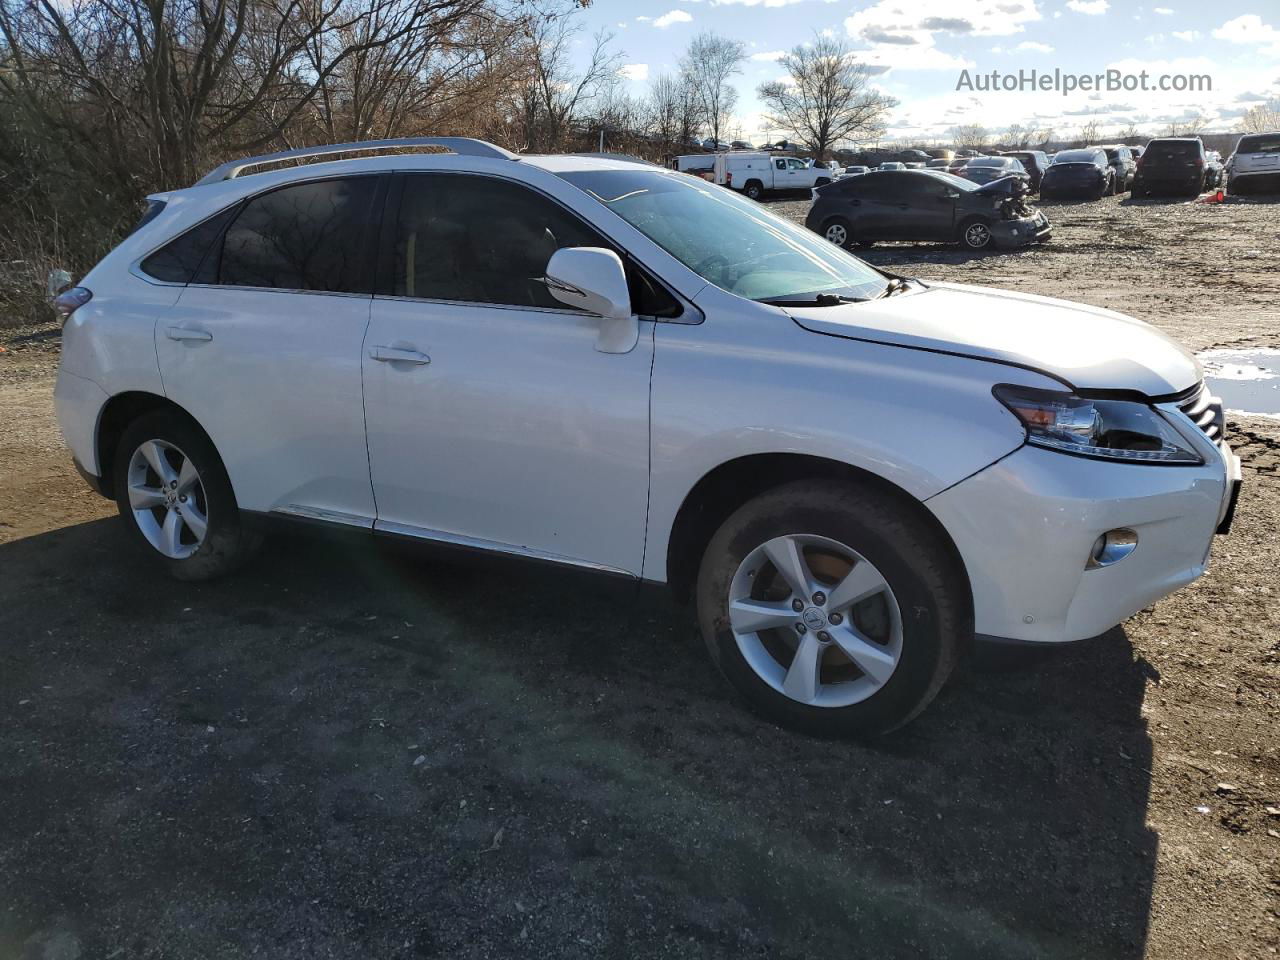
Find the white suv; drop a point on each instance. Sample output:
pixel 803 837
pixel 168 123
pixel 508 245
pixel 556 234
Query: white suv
pixel 607 365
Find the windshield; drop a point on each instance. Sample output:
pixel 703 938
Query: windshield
pixel 728 240
pixel 1077 156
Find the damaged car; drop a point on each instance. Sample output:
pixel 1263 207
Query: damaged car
pixel 926 205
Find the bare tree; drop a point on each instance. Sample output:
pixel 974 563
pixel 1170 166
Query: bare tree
pixel 1018 137
pixel 708 64
pixel 1088 133
pixel 673 112
pixel 1128 134
pixel 1262 118
pixel 1188 127
pixel 974 136
pixel 556 94
pixel 828 98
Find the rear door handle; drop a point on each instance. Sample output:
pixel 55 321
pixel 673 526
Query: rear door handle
pixel 386 354
pixel 185 333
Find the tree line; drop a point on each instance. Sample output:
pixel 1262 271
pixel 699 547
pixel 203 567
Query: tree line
pixel 105 101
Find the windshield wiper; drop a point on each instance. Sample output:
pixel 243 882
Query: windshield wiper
pixel 819 300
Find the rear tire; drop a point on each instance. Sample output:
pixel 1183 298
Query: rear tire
pixel 884 657
pixel 754 189
pixel 174 495
pixel 839 231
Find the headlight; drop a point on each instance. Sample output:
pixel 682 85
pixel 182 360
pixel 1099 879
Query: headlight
pixel 1109 429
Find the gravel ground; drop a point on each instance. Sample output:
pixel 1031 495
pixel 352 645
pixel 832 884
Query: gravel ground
pixel 347 751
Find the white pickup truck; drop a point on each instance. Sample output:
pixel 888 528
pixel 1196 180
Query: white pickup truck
pixel 756 173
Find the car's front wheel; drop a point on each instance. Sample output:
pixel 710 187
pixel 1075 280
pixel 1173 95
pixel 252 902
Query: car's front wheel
pixel 830 608
pixel 975 234
pixel 173 492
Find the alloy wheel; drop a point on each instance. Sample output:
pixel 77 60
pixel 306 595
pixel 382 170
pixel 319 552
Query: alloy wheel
pixel 837 234
pixel 815 620
pixel 168 499
pixel 977 235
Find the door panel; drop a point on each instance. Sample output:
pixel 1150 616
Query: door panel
pixel 277 387
pixel 263 348
pixel 499 423
pixel 516 432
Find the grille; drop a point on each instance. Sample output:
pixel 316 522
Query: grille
pixel 1205 411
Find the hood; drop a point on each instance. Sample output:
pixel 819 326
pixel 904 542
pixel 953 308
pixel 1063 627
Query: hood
pixel 1088 347
pixel 1009 185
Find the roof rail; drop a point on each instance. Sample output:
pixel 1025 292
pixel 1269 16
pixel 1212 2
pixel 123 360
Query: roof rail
pixel 463 146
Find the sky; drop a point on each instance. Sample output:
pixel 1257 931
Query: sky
pixel 919 48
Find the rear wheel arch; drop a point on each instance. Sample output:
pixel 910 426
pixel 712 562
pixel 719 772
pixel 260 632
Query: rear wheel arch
pixel 720 492
pixel 120 411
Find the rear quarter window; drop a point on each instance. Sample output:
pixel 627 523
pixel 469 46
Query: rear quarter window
pixel 179 260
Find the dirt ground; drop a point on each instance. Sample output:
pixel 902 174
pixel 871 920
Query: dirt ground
pixel 352 752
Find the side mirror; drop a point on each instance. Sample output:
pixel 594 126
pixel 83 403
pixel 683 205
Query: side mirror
pixel 593 279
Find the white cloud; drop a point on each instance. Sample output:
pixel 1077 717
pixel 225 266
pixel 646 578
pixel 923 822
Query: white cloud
pixel 1034 47
pixel 769 55
pixel 675 16
pixel 754 3
pixel 634 71
pixel 893 18
pixel 1092 8
pixel 1187 35
pixel 1249 29
pixel 643 19
pixel 1163 11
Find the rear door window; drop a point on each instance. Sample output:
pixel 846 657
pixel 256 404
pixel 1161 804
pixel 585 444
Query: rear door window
pixel 310 236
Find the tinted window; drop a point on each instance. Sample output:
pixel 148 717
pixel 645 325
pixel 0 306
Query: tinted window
pixel 1181 149
pixel 312 236
pixel 1079 156
pixel 480 240
pixel 179 259
pixel 1259 143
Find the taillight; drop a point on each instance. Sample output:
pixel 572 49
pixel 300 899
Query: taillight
pixel 69 301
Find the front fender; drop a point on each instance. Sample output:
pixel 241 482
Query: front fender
pixel 750 381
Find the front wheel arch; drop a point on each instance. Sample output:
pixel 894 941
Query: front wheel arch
pixel 724 489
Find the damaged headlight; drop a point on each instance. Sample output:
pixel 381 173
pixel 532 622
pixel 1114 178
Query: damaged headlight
pixel 1108 429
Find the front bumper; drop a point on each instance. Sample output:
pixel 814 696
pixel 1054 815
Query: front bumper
pixel 1025 527
pixel 1020 232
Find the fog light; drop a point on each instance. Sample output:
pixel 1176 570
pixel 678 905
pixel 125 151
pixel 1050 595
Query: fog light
pixel 1112 547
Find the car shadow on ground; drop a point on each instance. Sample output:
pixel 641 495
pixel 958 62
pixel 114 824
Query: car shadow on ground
pixel 347 750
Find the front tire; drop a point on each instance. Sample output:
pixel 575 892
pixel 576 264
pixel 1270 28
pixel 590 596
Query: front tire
pixel 174 494
pixel 975 234
pixel 880 608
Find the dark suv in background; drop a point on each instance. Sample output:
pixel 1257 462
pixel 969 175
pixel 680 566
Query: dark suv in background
pixel 1172 165
pixel 1035 162
pixel 1123 167
pixel 1083 172
pixel 925 205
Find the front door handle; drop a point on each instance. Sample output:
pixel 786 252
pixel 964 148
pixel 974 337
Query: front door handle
pixel 387 354
pixel 186 333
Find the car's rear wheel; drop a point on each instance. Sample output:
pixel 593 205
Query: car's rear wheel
pixel 754 189
pixel 975 234
pixel 839 231
pixel 830 608
pixel 173 492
